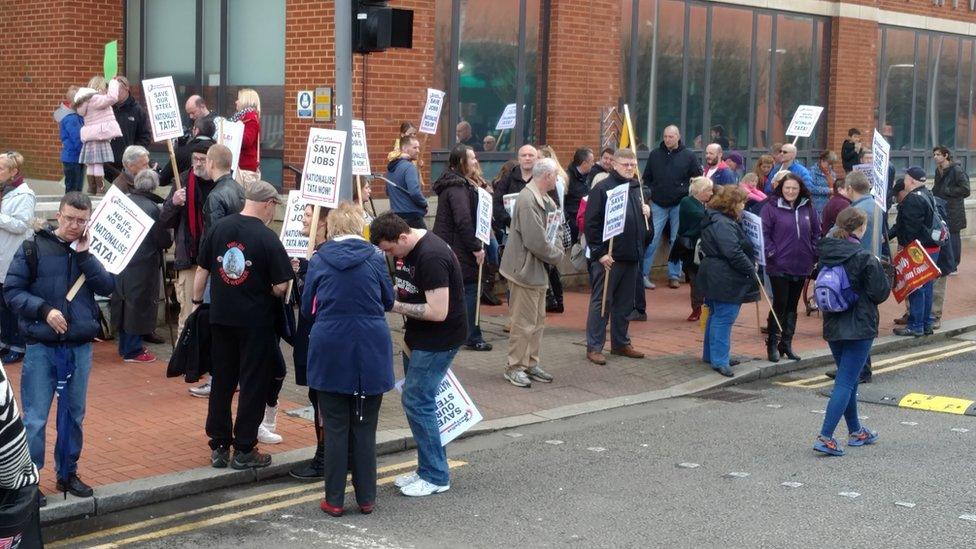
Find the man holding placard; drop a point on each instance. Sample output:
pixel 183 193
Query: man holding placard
pixel 616 259
pixel 59 332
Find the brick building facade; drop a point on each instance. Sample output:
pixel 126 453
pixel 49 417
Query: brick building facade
pixel 573 57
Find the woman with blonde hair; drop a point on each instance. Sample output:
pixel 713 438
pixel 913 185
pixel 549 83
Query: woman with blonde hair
pixel 94 104
pixel 350 358
pixel 17 203
pixel 691 211
pixel 248 107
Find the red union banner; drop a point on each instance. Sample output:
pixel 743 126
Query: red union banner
pixel 913 268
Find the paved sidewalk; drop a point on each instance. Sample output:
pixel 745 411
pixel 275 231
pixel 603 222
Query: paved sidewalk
pixel 140 424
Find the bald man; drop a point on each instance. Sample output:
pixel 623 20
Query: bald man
pixel 517 179
pixel 465 136
pixel 787 152
pixel 196 109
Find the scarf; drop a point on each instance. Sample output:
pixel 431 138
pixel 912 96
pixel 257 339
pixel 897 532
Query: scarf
pixel 240 114
pixel 195 221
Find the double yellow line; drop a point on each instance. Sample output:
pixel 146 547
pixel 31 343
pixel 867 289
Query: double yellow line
pixel 294 496
pixel 896 363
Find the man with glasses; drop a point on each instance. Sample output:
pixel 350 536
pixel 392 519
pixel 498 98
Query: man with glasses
pixel 58 332
pixel 622 266
pixel 787 161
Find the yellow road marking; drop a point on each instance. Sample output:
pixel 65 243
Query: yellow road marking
pixel 933 403
pixel 821 380
pixel 317 486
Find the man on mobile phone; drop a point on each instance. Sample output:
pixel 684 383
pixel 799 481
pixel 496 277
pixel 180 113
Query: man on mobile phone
pixel 58 331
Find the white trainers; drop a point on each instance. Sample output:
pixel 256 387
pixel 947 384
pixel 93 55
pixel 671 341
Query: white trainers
pixel 201 391
pixel 266 431
pixel 406 480
pixel 423 488
pixel 267 437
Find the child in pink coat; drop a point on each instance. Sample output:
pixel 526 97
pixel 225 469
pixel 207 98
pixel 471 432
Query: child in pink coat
pixel 94 103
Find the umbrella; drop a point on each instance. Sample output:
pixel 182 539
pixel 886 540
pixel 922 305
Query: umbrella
pixel 63 359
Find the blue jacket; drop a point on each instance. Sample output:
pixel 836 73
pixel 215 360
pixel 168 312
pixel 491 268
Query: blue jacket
pixel 32 298
pixel 70 127
pixel 350 350
pixel 819 189
pixel 406 199
pixel 797 168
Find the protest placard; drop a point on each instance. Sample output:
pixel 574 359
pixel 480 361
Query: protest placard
pixel 615 213
pixel 881 152
pixel 117 228
pixel 752 225
pixel 432 111
pixel 804 120
pixel 456 412
pixel 360 156
pixel 231 135
pixel 507 120
pixel 482 228
pixel 296 244
pixel 913 269
pixel 164 108
pixel 553 222
pixel 322 174
pixel 508 202
pixel 110 60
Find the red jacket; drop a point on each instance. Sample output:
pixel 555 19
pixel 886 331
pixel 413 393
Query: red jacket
pixel 249 159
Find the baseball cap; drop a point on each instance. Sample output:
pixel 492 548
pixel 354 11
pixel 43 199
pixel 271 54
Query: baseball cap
pixel 261 191
pixel 916 173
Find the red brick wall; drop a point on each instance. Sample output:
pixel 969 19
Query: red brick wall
pixel 852 96
pixel 396 80
pixel 584 69
pixel 47 47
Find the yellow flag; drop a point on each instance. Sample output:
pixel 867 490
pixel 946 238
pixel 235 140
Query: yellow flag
pixel 625 134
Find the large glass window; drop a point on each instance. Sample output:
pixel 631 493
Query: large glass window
pixel 713 69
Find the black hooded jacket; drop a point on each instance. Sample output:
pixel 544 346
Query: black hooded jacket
pixel 860 320
pixel 454 223
pixel 728 271
pixel 668 173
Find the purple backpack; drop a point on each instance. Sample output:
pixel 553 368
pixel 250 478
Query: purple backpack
pixel 833 290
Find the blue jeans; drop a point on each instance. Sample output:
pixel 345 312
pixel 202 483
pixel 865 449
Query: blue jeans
pixel 425 370
pixel 661 217
pixel 37 383
pixel 74 176
pixel 850 357
pixel 920 304
pixel 130 345
pixel 491 251
pixel 471 305
pixel 718 332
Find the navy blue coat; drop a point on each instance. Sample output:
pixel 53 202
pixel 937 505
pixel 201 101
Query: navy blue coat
pixel 58 266
pixel 350 350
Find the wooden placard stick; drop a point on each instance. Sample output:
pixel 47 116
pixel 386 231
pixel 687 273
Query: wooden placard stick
pixel 606 282
pixel 172 162
pixel 75 287
pixel 477 306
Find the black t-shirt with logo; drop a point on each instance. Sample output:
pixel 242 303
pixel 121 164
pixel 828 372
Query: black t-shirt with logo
pixel 245 259
pixel 431 265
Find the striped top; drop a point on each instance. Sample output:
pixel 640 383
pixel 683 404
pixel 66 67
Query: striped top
pixel 16 468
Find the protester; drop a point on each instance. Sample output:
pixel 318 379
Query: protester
pixel 622 266
pixel 135 303
pixel 135 159
pixel 691 212
pixel 791 230
pixel 455 223
pixel 94 104
pixel 603 166
pixel 347 291
pixel 787 161
pixel 248 271
pixel 69 129
pixel 850 332
pixel 852 150
pixel 667 174
pixel 466 137
pixel 497 225
pixel 59 348
pixel 727 274
pixel 196 110
pixel 492 256
pixel 735 163
pixel 524 263
pixel 431 296
pixel 17 204
pixel 762 169
pixel 517 179
pixel 227 196
pixel 823 178
pixel 749 184
pixel 839 200
pixel 248 105
pixel 715 168
pixel 554 294
pixel 916 219
pixel 776 151
pixel 200 133
pixel 489 143
pixel 407 129
pixel 951 185
pixel 403 184
pixel 19 477
pixel 717 135
pixel 315 468
pixel 133 121
pixel 577 188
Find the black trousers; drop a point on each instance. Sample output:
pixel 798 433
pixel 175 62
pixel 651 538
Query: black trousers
pixel 350 421
pixel 786 294
pixel 554 293
pixel 244 357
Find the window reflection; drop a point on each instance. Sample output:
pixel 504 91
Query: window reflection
pixel 728 104
pixel 695 98
pixel 793 58
pixel 670 63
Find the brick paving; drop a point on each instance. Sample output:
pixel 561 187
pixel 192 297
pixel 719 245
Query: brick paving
pixel 141 424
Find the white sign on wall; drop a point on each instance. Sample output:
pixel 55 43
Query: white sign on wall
pixel 296 244
pixel 305 103
pixel 432 111
pixel 322 173
pixel 164 108
pixel 117 228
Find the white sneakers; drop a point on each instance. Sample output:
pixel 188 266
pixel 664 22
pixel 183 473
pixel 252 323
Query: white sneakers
pixel 201 391
pixel 266 434
pixel 412 485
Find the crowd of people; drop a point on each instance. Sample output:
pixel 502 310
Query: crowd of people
pixel 238 290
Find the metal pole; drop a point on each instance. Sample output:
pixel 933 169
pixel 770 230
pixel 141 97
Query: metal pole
pixel 343 86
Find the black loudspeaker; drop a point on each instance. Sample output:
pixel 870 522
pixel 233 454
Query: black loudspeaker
pixel 377 27
pixel 401 29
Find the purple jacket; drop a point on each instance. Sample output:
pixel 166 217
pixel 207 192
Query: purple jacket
pixel 790 237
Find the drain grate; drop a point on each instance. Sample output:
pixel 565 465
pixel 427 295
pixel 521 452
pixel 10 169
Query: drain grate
pixel 728 395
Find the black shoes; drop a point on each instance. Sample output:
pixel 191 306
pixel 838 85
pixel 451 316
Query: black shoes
pixel 313 470
pixel 74 486
pixel 772 354
pixel 220 458
pixel 489 298
pixel 554 307
pixel 637 316
pixel 480 346
pixel 785 348
pixel 250 460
